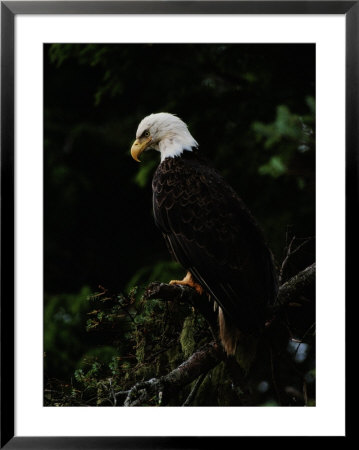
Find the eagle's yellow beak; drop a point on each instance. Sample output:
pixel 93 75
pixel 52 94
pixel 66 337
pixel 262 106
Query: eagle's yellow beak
pixel 139 146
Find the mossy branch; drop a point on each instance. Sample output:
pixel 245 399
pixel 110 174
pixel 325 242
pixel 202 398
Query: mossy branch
pixel 289 292
pixel 203 360
pixel 177 292
pixel 293 288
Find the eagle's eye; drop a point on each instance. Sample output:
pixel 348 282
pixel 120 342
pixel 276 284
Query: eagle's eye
pixel 147 133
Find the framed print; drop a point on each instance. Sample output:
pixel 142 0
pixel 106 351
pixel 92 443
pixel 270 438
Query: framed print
pixel 210 275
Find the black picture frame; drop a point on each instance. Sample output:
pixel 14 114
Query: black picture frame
pixel 9 9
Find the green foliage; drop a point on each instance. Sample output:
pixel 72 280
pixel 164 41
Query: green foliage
pixel 274 167
pixel 146 339
pixel 289 134
pixel 145 335
pixel 63 321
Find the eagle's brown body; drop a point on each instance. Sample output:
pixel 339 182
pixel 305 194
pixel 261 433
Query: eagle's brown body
pixel 210 232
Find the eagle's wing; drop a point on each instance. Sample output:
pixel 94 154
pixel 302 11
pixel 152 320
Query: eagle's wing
pixel 212 234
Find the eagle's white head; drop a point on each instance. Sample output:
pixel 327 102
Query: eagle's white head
pixel 165 133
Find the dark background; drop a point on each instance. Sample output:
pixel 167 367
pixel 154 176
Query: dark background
pixel 251 107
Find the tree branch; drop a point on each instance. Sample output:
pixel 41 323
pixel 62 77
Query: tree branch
pixel 177 292
pixel 294 287
pixel 290 251
pixel 288 292
pixel 203 360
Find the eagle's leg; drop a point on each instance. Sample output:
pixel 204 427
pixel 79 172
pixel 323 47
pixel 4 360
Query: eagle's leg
pixel 189 281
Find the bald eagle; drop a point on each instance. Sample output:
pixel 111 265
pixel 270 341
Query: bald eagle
pixel 208 229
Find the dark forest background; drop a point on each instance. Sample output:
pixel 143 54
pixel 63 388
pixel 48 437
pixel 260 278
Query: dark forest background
pixel 251 107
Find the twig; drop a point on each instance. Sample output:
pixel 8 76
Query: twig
pixel 112 393
pixel 151 357
pixel 276 389
pixel 194 391
pixel 305 393
pixel 290 253
pixel 284 263
pixel 126 311
pixel 120 394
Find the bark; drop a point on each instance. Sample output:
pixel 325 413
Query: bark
pixel 293 288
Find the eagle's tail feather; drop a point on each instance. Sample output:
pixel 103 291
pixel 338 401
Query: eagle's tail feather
pixel 228 333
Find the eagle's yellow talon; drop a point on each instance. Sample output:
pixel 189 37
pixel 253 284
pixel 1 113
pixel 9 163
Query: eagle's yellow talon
pixel 188 281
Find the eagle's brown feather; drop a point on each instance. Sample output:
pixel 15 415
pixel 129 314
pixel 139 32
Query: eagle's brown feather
pixel 211 233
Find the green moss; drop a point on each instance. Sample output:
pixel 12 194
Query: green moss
pixel 175 357
pixel 140 349
pixel 187 336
